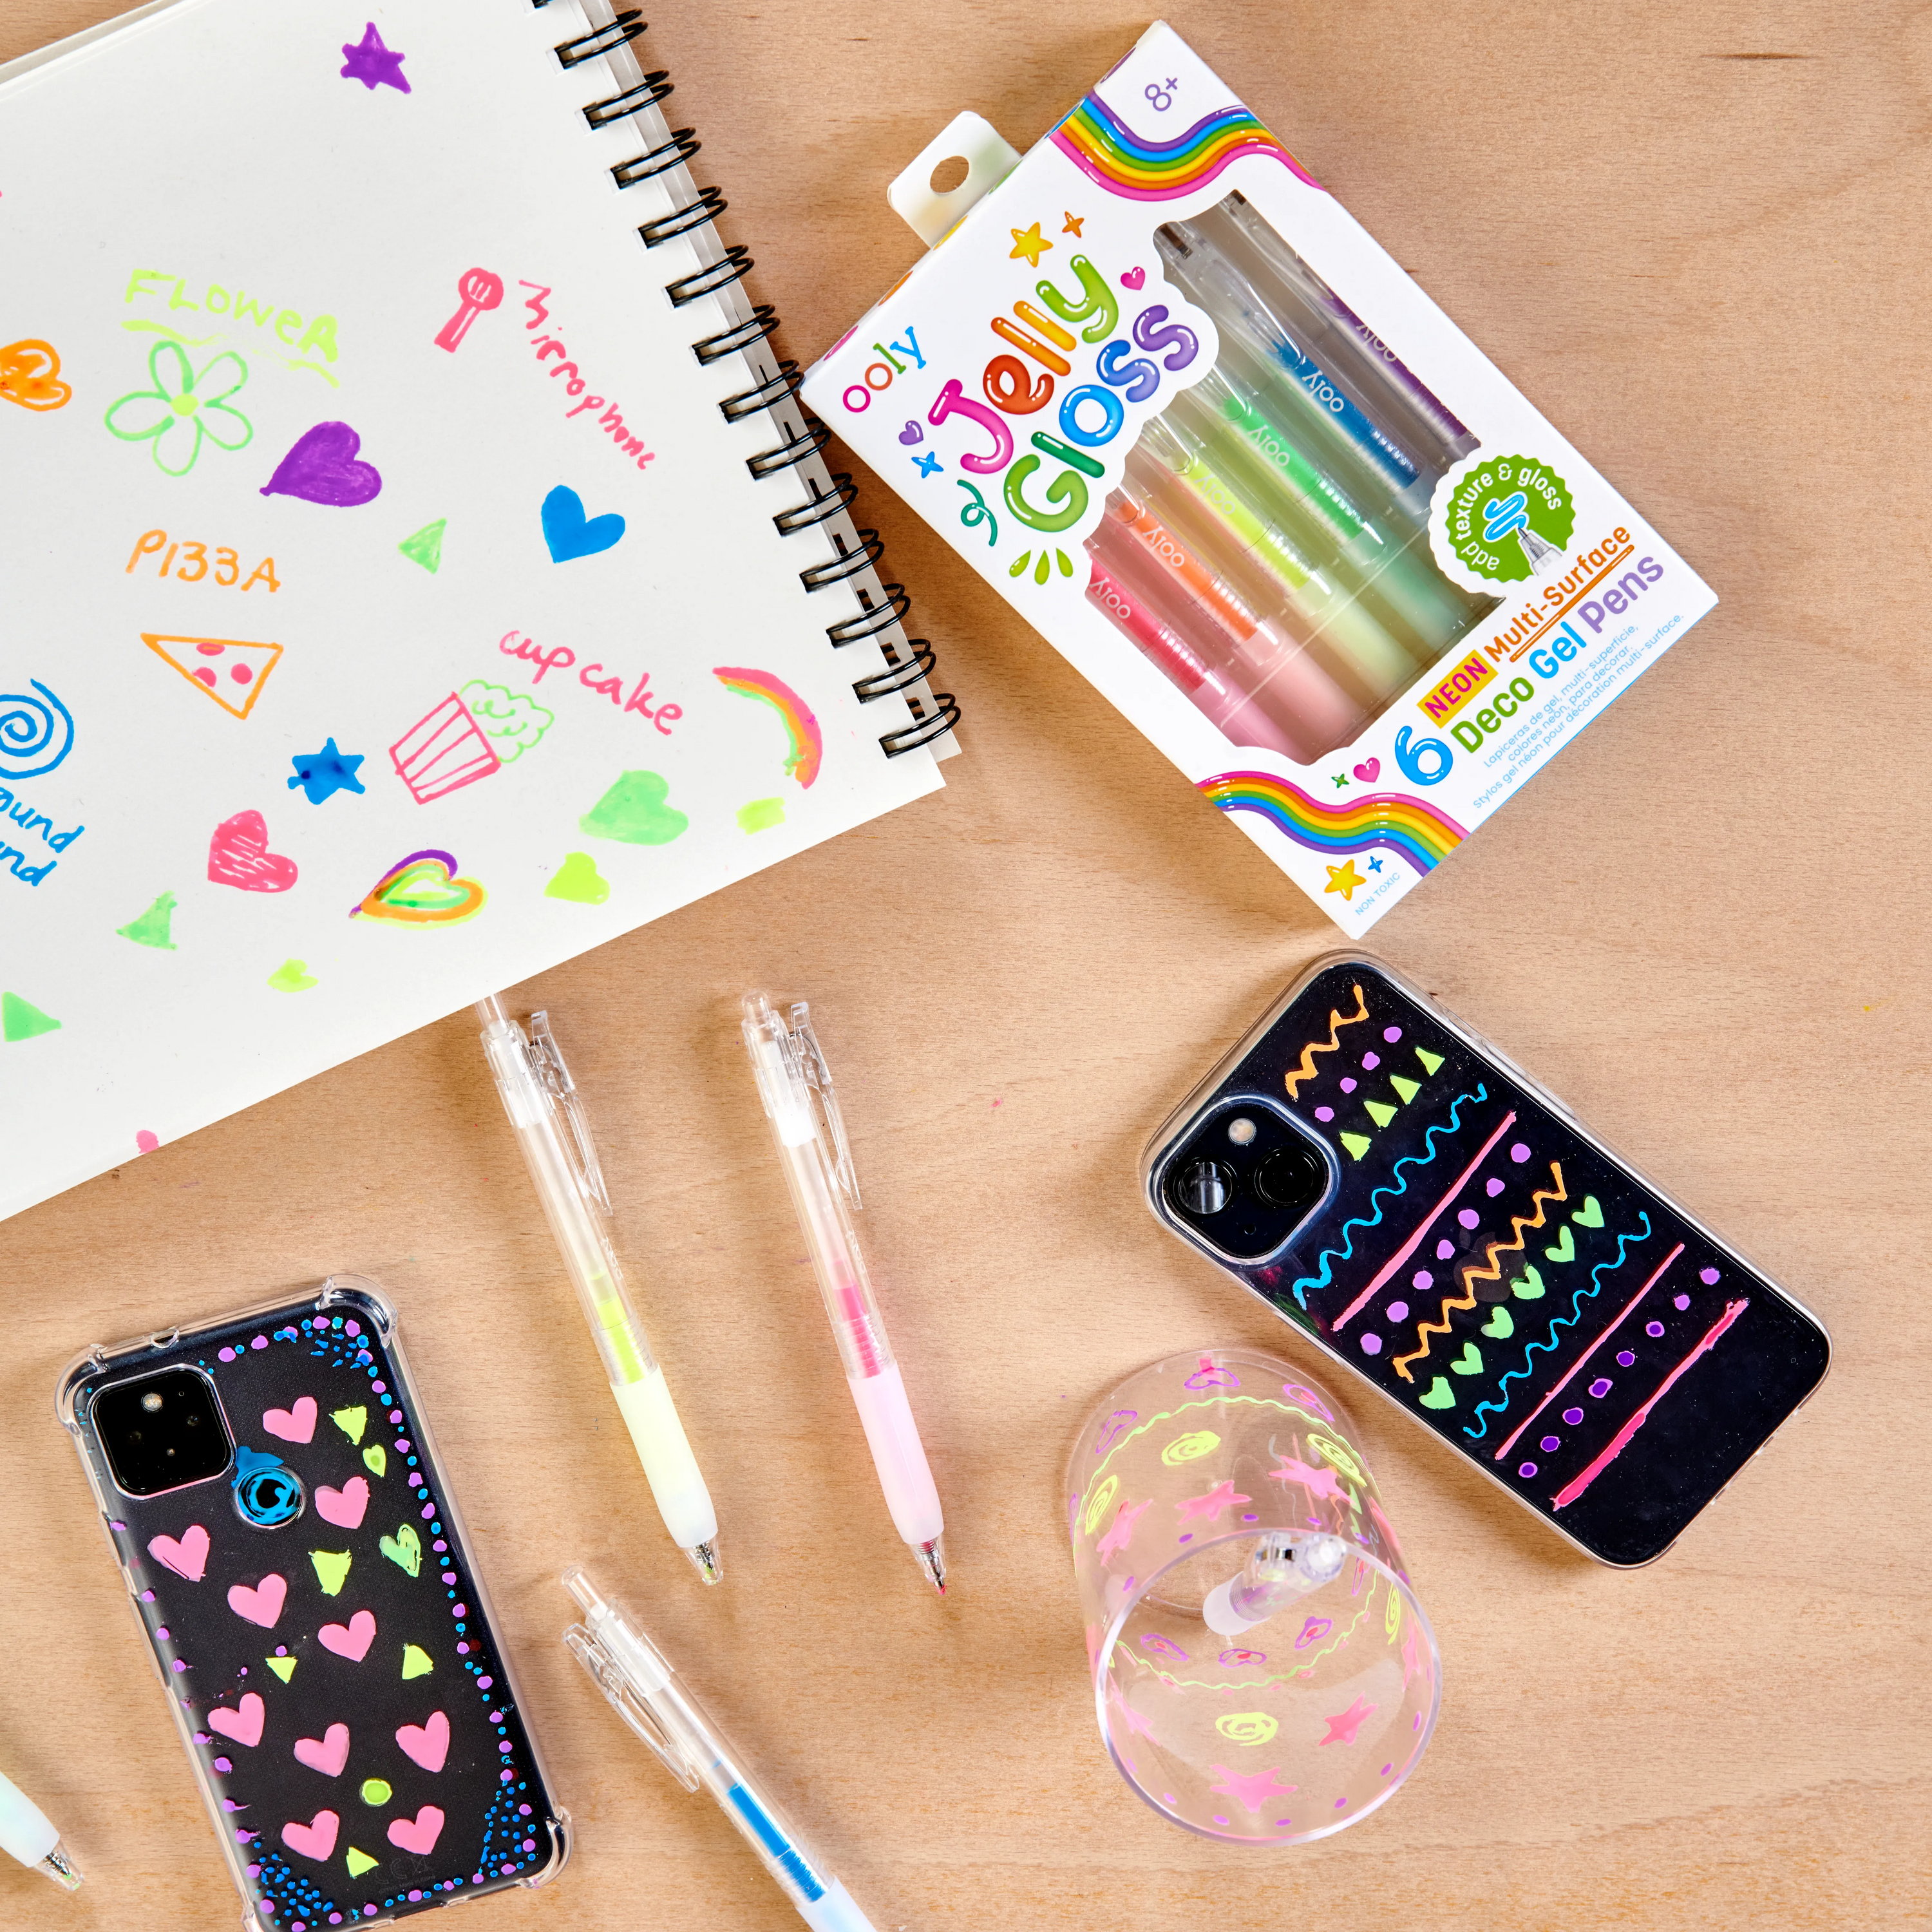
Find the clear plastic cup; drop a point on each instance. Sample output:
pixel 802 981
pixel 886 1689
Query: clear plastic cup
pixel 1262 1671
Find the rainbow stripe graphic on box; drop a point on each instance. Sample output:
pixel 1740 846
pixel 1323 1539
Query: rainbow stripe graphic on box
pixel 1100 146
pixel 1415 831
pixel 808 740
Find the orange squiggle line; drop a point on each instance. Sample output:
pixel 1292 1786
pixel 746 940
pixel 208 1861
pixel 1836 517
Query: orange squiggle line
pixel 1306 1071
pixel 1491 1271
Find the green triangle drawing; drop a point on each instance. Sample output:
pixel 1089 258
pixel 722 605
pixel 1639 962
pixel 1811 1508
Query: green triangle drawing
pixel 1357 1144
pixel 19 1021
pixel 425 548
pixel 1430 1061
pixel 1380 1112
pixel 151 927
pixel 1408 1089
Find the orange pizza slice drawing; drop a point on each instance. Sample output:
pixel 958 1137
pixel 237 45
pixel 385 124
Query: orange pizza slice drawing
pixel 232 673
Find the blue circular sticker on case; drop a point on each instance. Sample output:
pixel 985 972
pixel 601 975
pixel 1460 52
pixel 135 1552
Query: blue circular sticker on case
pixel 268 1492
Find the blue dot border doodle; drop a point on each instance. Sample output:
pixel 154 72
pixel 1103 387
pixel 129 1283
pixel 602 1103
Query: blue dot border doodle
pixel 29 729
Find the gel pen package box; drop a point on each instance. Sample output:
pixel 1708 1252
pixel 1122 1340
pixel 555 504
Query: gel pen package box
pixel 1173 402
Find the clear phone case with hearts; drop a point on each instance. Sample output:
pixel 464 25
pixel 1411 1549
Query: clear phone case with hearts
pixel 316 1620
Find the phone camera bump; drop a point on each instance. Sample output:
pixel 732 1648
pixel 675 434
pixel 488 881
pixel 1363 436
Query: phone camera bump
pixel 1202 1187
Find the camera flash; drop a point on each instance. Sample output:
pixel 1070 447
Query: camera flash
pixel 151 1402
pixel 1241 1130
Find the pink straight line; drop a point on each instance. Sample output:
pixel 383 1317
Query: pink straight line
pixel 1588 1352
pixel 1733 1309
pixel 1408 1248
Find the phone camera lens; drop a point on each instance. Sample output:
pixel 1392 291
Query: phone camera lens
pixel 1203 1186
pixel 1290 1178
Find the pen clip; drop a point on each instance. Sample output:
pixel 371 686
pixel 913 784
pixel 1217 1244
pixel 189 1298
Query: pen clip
pixel 546 1061
pixel 827 1127
pixel 614 1682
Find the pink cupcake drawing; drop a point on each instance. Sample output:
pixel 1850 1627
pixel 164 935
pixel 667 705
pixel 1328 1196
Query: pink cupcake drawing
pixel 471 734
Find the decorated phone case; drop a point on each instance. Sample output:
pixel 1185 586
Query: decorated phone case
pixel 1494 1270
pixel 316 1618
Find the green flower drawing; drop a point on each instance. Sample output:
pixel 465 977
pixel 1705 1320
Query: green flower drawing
pixel 183 407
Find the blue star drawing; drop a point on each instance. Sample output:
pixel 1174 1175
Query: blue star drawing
pixel 322 774
pixel 928 465
pixel 371 63
pixel 1375 865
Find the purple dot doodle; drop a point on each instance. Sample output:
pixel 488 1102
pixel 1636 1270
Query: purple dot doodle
pixel 1188 1538
pixel 1708 1277
pixel 1600 1388
pixel 1519 1154
pixel 1370 1061
pixel 1653 1329
pixel 1218 1820
pixel 1525 1470
pixel 1372 1344
pixel 1683 1301
pixel 1391 1034
pixel 1494 1186
pixel 1422 1279
pixel 1624 1358
pixel 1325 1113
pixel 1251 1518
pixel 1550 1445
pixel 1572 1416
pixel 1387 1767
pixel 1398 1311
pixel 1348 1086
pixel 1444 1250
pixel 1468 1217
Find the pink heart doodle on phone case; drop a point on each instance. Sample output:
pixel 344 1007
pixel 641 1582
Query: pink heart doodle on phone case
pixel 344 1507
pixel 316 1839
pixel 262 1604
pixel 428 1745
pixel 420 1836
pixel 1369 770
pixel 293 1425
pixel 1133 278
pixel 244 1726
pixel 187 1557
pixel 351 1640
pixel 327 1754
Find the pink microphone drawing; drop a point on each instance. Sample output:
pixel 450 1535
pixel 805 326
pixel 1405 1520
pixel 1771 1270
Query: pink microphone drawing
pixel 480 290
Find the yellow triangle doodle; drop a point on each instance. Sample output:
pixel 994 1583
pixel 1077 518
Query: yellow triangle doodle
pixel 1357 1144
pixel 1408 1089
pixel 351 1421
pixel 358 1862
pixel 1430 1061
pixel 284 1667
pixel 331 1569
pixel 416 1662
pixel 1380 1112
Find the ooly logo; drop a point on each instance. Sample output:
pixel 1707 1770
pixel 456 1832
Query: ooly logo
pixel 268 1492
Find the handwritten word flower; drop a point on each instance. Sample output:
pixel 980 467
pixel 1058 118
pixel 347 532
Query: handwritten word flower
pixel 183 407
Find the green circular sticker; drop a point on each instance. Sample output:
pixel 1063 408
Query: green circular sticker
pixel 1509 518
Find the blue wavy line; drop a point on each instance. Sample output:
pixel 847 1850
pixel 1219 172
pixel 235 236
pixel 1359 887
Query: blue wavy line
pixel 1346 1251
pixel 1570 1320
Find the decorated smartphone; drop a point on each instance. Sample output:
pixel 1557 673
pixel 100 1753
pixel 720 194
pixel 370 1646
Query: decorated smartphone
pixel 1389 1183
pixel 306 1590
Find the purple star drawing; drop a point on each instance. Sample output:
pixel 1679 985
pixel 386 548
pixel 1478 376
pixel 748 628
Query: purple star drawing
pixel 371 63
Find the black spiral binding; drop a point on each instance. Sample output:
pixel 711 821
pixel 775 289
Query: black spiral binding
pixel 856 553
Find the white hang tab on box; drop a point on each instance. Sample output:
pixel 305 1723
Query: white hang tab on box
pixel 1175 403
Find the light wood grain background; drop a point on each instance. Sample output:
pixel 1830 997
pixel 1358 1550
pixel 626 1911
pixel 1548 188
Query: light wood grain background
pixel 1694 235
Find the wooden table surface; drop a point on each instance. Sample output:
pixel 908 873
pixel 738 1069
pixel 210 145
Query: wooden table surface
pixel 1694 235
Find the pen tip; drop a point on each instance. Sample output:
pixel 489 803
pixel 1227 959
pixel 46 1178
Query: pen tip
pixel 932 1561
pixel 704 1560
pixel 60 1868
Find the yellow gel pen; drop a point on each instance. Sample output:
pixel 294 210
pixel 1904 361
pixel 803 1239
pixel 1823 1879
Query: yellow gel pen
pixel 540 1100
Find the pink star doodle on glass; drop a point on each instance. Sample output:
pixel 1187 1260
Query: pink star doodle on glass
pixel 1118 1537
pixel 1254 1789
pixel 1317 1482
pixel 1341 1729
pixel 371 63
pixel 1222 1496
pixel 1412 1665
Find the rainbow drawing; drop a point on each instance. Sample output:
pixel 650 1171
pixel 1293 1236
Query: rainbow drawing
pixel 1099 146
pixel 807 741
pixel 1416 833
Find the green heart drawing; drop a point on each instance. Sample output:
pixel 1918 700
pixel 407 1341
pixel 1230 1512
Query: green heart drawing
pixel 1528 1286
pixel 1470 1362
pixel 1440 1396
pixel 1565 1249
pixel 1501 1324
pixel 404 1550
pixel 377 1458
pixel 1589 1215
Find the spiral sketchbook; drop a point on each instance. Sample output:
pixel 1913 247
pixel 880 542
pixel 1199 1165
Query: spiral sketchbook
pixel 417 568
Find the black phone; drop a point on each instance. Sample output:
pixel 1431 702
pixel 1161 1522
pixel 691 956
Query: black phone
pixel 1439 1223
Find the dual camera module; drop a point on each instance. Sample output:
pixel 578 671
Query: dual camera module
pixel 162 1432
pixel 1245 1179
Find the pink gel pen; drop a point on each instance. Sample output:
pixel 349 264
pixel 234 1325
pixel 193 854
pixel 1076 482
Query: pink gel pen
pixel 796 1088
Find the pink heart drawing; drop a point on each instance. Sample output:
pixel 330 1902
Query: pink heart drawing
pixel 262 1604
pixel 327 1754
pixel 351 1640
pixel 186 1557
pixel 911 434
pixel 427 1744
pixel 244 1726
pixel 298 1425
pixel 1369 770
pixel 1133 278
pixel 239 856
pixel 420 1836
pixel 344 1507
pixel 316 1839
pixel 322 469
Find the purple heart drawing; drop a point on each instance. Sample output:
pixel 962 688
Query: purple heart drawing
pixel 1133 278
pixel 322 468
pixel 911 434
pixel 1369 770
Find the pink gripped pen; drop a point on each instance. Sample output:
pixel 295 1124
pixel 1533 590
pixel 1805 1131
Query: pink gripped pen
pixel 796 1088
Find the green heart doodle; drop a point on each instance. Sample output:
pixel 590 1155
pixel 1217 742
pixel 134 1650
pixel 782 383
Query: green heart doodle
pixel 1501 1324
pixel 1470 1362
pixel 1528 1286
pixel 1589 1215
pixel 404 1550
pixel 1440 1396
pixel 377 1458
pixel 1565 1249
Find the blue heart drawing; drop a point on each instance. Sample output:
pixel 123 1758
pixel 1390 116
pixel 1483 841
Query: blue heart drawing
pixel 570 533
